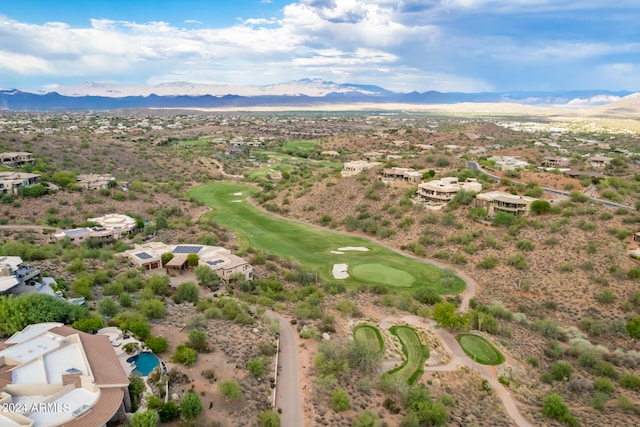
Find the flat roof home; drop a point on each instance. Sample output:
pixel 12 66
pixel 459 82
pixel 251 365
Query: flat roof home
pixel 555 162
pixel 16 158
pixel 13 273
pixel 219 259
pixel 439 192
pixel 10 182
pixel 95 182
pixel 112 227
pixel 499 201
pixel 53 375
pixel 357 166
pixel 508 163
pixel 599 161
pixel 388 175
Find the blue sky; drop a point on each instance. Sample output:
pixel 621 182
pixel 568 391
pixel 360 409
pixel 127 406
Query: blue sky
pixel 401 45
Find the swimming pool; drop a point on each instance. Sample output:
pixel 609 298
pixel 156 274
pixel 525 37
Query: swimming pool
pixel 145 362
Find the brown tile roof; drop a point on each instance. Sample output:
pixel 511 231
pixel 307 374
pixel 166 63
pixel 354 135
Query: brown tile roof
pixel 102 411
pixel 104 363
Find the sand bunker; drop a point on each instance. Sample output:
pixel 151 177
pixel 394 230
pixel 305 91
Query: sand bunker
pixel 336 252
pixel 340 271
pixel 236 201
pixel 354 248
pixel 238 194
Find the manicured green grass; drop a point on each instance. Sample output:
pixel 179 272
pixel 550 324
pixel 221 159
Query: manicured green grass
pixel 379 273
pixel 300 146
pixel 311 247
pixel 370 334
pixel 479 349
pixel 194 143
pixel 411 370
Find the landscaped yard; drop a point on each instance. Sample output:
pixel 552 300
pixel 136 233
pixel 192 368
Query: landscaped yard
pixel 480 349
pixel 416 353
pixel 312 247
pixel 369 334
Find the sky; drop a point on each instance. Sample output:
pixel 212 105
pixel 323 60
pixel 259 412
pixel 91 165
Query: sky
pixel 400 45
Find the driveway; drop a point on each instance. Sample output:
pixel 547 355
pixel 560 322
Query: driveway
pixel 288 390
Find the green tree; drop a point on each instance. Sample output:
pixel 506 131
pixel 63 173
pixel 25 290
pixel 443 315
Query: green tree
pixel 269 419
pixel 193 260
pixel 421 410
pixel 145 419
pixel 504 218
pixel 136 387
pixel 152 308
pixel 157 344
pixel 633 327
pixel 140 329
pixel 339 400
pixel 231 390
pixel 88 324
pixel 256 367
pixel 186 292
pixel 165 258
pixel 159 284
pixel 445 314
pixel 553 407
pixel 185 355
pixel 367 419
pixel 561 371
pixel 191 406
pixel 540 207
pixel 207 277
pixel 169 412
pixel 198 341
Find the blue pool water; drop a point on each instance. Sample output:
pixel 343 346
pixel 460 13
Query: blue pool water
pixel 145 363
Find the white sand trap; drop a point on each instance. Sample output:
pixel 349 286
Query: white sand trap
pixel 237 201
pixel 238 194
pixel 337 252
pixel 354 248
pixel 340 271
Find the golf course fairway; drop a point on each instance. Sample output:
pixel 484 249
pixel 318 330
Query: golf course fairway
pixel 312 247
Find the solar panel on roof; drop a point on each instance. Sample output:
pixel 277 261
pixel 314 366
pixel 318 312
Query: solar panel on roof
pixel 143 255
pixel 215 261
pixel 183 249
pixel 76 231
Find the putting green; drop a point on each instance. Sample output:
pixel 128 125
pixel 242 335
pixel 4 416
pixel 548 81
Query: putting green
pixel 416 353
pixel 312 247
pixel 480 349
pixel 369 334
pixel 378 273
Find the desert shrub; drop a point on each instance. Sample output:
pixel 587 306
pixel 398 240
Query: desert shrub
pixel 561 371
pixel 630 381
pixel 157 344
pixel 604 385
pixel 339 400
pixel 185 355
pixel 547 328
pixel 488 262
pixel 186 292
pixel 553 407
pixel 605 369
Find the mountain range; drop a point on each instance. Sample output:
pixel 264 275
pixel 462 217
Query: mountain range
pixel 298 93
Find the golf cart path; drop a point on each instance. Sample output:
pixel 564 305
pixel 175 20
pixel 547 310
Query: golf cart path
pixel 459 358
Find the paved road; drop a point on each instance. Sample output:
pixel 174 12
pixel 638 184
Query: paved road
pixel 475 166
pixel 288 392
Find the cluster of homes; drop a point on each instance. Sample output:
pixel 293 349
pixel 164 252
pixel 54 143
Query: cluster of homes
pixel 435 194
pixel 110 227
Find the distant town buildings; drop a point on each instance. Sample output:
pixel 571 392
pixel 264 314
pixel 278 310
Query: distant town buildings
pixel 555 162
pixel 498 201
pixel 439 192
pixel 11 182
pixel 357 166
pixel 219 259
pixel 599 161
pixel 54 375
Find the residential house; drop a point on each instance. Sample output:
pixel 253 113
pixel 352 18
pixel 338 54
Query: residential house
pixel 599 161
pixel 357 166
pixel 53 375
pixel 11 182
pixel 439 192
pixel 555 162
pixel 219 259
pixel 389 175
pixel 498 201
pixel 13 273
pixel 94 181
pixel 112 227
pixel 508 163
pixel 16 159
